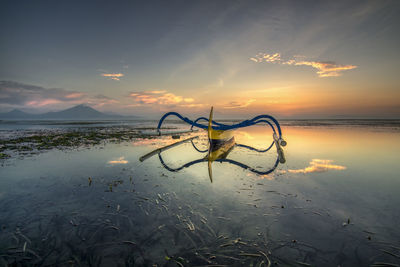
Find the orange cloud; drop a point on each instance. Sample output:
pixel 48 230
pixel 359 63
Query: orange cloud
pixel 157 92
pixel 113 76
pixel 325 68
pixel 42 102
pixel 238 104
pixel 318 165
pixel 188 100
pixel 192 105
pixel 160 97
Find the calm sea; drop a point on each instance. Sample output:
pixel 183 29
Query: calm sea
pixel 335 202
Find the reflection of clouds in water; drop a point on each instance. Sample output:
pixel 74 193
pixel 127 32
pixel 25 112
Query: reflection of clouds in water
pixel 143 142
pixel 269 177
pixel 120 160
pixel 243 134
pixel 154 141
pixel 318 165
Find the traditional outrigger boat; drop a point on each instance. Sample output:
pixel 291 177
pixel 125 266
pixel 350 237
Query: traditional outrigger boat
pixel 222 141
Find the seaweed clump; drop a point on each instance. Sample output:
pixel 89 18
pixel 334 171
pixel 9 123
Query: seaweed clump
pixel 39 141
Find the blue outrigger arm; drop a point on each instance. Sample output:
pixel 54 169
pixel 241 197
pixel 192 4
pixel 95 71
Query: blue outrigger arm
pixel 220 126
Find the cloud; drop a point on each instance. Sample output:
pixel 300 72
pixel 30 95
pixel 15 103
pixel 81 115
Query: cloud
pixel 157 92
pixel 15 93
pixel 324 68
pixel 101 100
pixel 238 104
pixel 188 100
pixel 42 103
pixel 160 97
pixel 260 57
pixel 74 95
pixel 192 105
pixel 20 95
pixel 113 76
pixel 318 165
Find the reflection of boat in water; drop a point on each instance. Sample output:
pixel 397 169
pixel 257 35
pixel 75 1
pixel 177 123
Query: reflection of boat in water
pixel 222 142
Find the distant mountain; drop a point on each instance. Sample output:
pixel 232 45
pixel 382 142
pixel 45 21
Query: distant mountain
pixel 80 112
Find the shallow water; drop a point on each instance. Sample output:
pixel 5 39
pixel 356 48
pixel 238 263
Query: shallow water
pixel 334 202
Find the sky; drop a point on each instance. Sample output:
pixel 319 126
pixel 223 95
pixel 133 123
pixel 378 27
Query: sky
pixel 289 59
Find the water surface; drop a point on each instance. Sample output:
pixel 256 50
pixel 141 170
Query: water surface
pixel 334 202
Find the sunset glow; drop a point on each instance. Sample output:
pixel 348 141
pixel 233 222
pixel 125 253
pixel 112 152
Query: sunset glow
pixel 290 60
